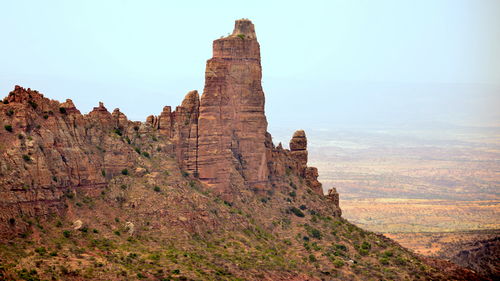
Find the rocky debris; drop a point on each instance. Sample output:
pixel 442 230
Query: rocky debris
pixel 77 224
pixel 130 228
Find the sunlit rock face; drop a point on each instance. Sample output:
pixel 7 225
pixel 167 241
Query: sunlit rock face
pixel 232 124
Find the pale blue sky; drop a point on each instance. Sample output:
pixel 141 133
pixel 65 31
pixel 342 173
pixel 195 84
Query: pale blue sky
pixel 326 64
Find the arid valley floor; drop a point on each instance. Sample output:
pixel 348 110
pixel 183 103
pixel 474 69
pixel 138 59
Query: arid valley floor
pixel 425 189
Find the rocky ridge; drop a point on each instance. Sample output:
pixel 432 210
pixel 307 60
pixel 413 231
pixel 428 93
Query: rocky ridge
pixel 184 186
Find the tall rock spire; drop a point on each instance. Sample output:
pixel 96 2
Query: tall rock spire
pixel 232 124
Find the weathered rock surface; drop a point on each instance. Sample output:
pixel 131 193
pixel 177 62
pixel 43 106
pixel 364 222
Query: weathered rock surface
pixel 220 138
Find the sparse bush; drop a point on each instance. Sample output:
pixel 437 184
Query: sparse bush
pixel 303 207
pixel 41 251
pixel 124 172
pixel 341 247
pixel 384 261
pixel 8 128
pixel 242 36
pixel 10 112
pixel 26 158
pixel 117 131
pixel 315 233
pixel 338 263
pixel 117 233
pixel 366 245
pixel 62 110
pixel 157 189
pixel 292 194
pixel 66 233
pixel 387 254
pixel 297 212
pixel 312 258
pixel 145 154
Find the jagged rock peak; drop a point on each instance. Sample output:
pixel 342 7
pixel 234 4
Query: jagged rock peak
pixel 244 28
pixel 191 100
pixel 242 44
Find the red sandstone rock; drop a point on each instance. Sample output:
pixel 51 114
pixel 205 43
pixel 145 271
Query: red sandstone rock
pixel 232 124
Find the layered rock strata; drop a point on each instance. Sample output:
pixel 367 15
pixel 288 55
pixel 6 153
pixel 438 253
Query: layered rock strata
pixel 49 148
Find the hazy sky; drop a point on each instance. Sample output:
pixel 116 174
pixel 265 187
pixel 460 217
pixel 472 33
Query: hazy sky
pixel 326 64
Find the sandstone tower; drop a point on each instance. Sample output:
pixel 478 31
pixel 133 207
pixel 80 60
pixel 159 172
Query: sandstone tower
pixel 232 124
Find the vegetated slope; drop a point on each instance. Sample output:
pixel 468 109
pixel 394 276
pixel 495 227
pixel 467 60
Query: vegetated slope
pixel 99 197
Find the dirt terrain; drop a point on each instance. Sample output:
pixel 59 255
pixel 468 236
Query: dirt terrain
pixel 433 191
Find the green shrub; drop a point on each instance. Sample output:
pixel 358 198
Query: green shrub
pixel 387 254
pixel 157 189
pixel 341 247
pixel 292 194
pixel 124 172
pixel 145 154
pixel 45 116
pixel 303 207
pixel 8 128
pixel 117 131
pixel 138 150
pixel 384 261
pixel 26 158
pixel 315 233
pixel 338 263
pixel 62 110
pixel 117 233
pixel 41 251
pixel 297 212
pixel 10 112
pixel 66 233
pixel 366 245
pixel 242 36
pixel 312 258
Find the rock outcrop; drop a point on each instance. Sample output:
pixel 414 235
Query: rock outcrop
pixel 219 138
pixel 232 125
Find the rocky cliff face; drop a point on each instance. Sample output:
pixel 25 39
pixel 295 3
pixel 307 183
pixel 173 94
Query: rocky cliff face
pixel 197 193
pixel 222 139
pixel 50 149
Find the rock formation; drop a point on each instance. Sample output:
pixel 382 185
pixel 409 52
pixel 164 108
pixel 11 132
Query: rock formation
pixel 232 126
pixel 220 139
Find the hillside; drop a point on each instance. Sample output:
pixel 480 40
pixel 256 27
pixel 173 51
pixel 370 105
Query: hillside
pixel 198 193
